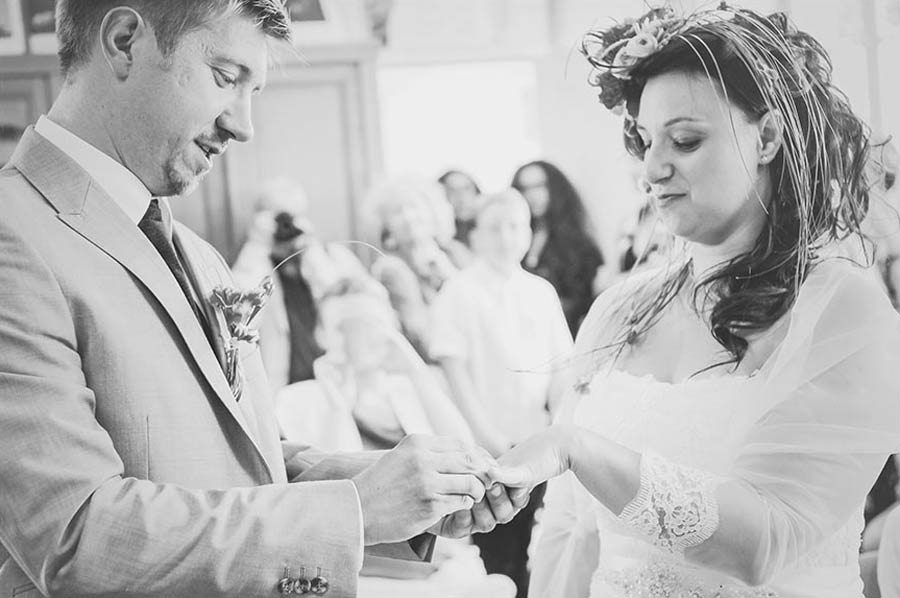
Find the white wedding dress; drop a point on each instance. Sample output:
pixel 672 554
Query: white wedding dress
pixel 808 433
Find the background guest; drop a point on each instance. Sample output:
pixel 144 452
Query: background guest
pixel 882 222
pixel 563 249
pixel 643 241
pixel 291 337
pixel 389 388
pixel 499 333
pixel 462 192
pixel 408 220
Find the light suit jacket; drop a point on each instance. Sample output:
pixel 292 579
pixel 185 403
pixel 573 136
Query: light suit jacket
pixel 126 465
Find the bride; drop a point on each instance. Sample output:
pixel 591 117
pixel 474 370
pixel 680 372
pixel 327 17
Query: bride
pixel 731 410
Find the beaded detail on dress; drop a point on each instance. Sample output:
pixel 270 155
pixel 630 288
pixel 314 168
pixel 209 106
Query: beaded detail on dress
pixel 663 580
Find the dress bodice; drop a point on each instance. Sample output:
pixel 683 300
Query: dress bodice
pixel 700 423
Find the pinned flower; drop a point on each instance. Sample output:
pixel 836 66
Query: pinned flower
pixel 641 45
pixel 633 51
pixel 612 92
pixel 238 308
pixel 243 332
pixel 649 27
pixel 615 52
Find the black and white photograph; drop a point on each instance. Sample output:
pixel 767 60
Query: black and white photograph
pixel 430 299
pixel 12 37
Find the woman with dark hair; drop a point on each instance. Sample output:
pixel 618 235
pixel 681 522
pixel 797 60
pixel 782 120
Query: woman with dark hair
pixel 563 248
pixel 731 409
pixel 462 193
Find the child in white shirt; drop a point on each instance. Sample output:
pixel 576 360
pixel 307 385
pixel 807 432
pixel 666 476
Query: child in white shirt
pixel 499 332
pixel 500 335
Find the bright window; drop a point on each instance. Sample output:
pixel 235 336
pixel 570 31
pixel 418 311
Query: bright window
pixel 480 117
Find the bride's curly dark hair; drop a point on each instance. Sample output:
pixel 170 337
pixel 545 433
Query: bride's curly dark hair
pixel 819 194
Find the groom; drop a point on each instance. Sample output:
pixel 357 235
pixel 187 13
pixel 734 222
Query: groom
pixel 128 464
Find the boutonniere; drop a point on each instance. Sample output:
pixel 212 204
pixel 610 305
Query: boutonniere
pixel 239 308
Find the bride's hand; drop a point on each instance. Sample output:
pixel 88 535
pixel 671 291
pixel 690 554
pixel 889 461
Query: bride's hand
pixel 535 460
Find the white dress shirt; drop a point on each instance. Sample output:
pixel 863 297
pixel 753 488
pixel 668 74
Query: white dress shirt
pixel 118 182
pixel 512 335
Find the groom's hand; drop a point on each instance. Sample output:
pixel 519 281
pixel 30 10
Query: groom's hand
pixel 416 484
pixel 499 506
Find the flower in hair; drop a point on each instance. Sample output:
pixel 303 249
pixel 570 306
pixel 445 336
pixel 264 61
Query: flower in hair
pixel 639 46
pixel 614 52
pixel 619 48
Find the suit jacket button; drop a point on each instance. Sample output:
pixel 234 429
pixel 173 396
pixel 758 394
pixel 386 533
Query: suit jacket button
pixel 285 585
pixel 301 585
pixel 319 585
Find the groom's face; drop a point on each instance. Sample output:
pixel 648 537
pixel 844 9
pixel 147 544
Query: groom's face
pixel 184 109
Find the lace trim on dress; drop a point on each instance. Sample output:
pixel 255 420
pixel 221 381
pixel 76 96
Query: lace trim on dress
pixel 675 506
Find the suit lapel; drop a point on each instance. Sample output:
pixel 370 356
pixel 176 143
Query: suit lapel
pixel 206 269
pixel 90 212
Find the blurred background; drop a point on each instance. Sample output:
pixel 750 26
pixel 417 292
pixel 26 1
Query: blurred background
pixel 379 138
pixel 388 87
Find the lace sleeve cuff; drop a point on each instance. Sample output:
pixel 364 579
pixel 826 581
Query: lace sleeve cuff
pixel 675 506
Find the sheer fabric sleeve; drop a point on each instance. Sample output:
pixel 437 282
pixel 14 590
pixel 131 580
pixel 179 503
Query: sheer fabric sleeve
pixel 568 544
pixel 834 389
pixel 832 417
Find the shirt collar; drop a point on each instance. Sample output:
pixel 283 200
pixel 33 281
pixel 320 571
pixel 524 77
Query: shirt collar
pixel 493 279
pixel 117 181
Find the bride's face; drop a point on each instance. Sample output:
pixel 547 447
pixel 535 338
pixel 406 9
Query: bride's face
pixel 702 162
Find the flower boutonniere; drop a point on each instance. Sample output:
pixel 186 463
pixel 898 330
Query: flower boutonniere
pixel 239 308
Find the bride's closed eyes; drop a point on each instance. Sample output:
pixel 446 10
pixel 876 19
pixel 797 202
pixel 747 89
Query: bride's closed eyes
pixel 683 144
pixel 686 144
pixel 682 140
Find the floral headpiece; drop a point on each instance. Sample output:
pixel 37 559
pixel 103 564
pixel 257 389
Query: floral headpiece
pixel 613 53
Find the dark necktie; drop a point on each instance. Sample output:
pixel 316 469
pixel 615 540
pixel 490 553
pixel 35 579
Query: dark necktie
pixel 160 234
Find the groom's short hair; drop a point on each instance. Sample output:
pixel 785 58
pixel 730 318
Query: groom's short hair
pixel 78 21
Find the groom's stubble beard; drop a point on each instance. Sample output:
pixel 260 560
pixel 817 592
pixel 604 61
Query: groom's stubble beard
pixel 180 178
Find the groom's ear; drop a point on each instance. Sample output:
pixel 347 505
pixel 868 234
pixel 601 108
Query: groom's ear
pixel 122 29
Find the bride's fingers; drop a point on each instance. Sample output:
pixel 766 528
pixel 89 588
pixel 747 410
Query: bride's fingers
pixel 519 497
pixel 500 504
pixel 518 477
pixel 483 518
